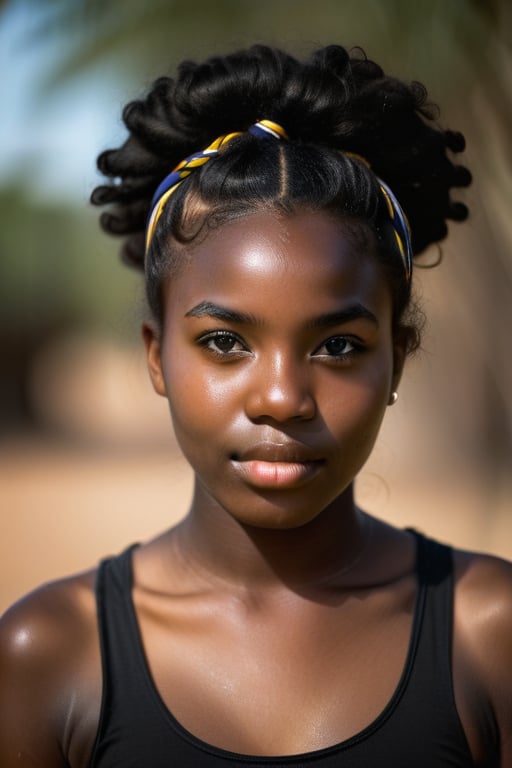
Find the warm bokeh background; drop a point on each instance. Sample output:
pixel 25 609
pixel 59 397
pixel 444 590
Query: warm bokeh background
pixel 87 459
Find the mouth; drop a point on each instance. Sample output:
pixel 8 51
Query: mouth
pixel 277 465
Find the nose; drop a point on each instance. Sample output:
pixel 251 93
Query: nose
pixel 280 390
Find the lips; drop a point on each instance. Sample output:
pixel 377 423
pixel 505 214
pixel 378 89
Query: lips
pixel 277 465
pixel 292 452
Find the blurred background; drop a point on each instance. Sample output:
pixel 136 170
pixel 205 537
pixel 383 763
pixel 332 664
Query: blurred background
pixel 88 462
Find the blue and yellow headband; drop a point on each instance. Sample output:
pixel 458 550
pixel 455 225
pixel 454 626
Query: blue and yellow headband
pixel 269 129
pixel 261 129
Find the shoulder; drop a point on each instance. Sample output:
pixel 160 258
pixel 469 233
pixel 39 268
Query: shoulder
pixel 483 598
pixel 49 654
pixel 57 615
pixel 483 631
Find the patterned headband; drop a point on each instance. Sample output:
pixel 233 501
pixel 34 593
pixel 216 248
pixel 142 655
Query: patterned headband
pixel 398 218
pixel 268 129
pixel 264 129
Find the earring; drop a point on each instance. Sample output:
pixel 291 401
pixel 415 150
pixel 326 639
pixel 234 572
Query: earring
pixel 393 398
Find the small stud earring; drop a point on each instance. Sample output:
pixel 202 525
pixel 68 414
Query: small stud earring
pixel 393 398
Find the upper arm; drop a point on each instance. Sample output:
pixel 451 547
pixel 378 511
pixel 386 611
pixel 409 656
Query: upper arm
pixel 483 633
pixel 45 650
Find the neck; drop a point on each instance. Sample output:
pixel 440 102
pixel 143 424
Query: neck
pixel 317 554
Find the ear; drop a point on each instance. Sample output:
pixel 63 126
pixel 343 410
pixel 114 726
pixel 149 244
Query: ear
pixel 152 342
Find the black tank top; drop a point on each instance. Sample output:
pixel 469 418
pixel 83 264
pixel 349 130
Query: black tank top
pixel 419 727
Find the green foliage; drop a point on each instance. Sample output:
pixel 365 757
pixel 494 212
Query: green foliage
pixel 57 269
pixel 429 38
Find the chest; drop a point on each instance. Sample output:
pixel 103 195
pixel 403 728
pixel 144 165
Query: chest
pixel 282 679
pixel 357 682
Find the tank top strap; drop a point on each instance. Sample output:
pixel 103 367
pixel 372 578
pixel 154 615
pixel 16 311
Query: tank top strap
pixel 435 580
pixel 122 673
pixel 117 627
pixel 430 695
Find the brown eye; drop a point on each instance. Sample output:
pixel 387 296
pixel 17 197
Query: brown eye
pixel 223 342
pixel 338 346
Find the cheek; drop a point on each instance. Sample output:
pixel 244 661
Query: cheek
pixel 202 405
pixel 354 406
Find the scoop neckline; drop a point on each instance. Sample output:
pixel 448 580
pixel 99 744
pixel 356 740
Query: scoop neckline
pixel 278 760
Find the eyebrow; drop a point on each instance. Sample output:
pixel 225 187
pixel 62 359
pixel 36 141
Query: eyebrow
pixel 354 312
pixel 208 309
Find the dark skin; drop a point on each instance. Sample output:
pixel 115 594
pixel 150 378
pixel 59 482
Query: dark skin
pixel 278 359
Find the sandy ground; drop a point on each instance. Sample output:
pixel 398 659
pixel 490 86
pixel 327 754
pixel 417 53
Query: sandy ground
pixel 63 508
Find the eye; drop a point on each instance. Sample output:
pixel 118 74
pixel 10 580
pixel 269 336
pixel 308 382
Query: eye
pixel 338 347
pixel 222 343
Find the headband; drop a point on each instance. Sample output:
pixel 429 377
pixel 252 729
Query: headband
pixel 267 129
pixel 263 129
pixel 398 218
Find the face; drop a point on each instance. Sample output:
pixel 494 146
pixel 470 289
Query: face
pixel 278 361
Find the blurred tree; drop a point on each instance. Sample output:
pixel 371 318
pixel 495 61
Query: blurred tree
pixel 435 37
pixel 55 275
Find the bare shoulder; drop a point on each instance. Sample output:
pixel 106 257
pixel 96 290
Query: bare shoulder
pixel 483 633
pixel 48 607
pixel 483 596
pixel 49 664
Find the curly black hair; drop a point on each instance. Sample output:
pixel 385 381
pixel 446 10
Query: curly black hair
pixel 332 103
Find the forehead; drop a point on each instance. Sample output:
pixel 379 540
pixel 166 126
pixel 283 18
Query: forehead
pixel 304 259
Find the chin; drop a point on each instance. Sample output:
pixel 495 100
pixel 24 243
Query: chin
pixel 282 514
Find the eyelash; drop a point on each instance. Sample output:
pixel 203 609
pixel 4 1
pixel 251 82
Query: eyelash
pixel 205 340
pixel 341 357
pixel 211 336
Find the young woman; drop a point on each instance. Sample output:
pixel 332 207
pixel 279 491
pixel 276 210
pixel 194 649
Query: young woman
pixel 278 624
